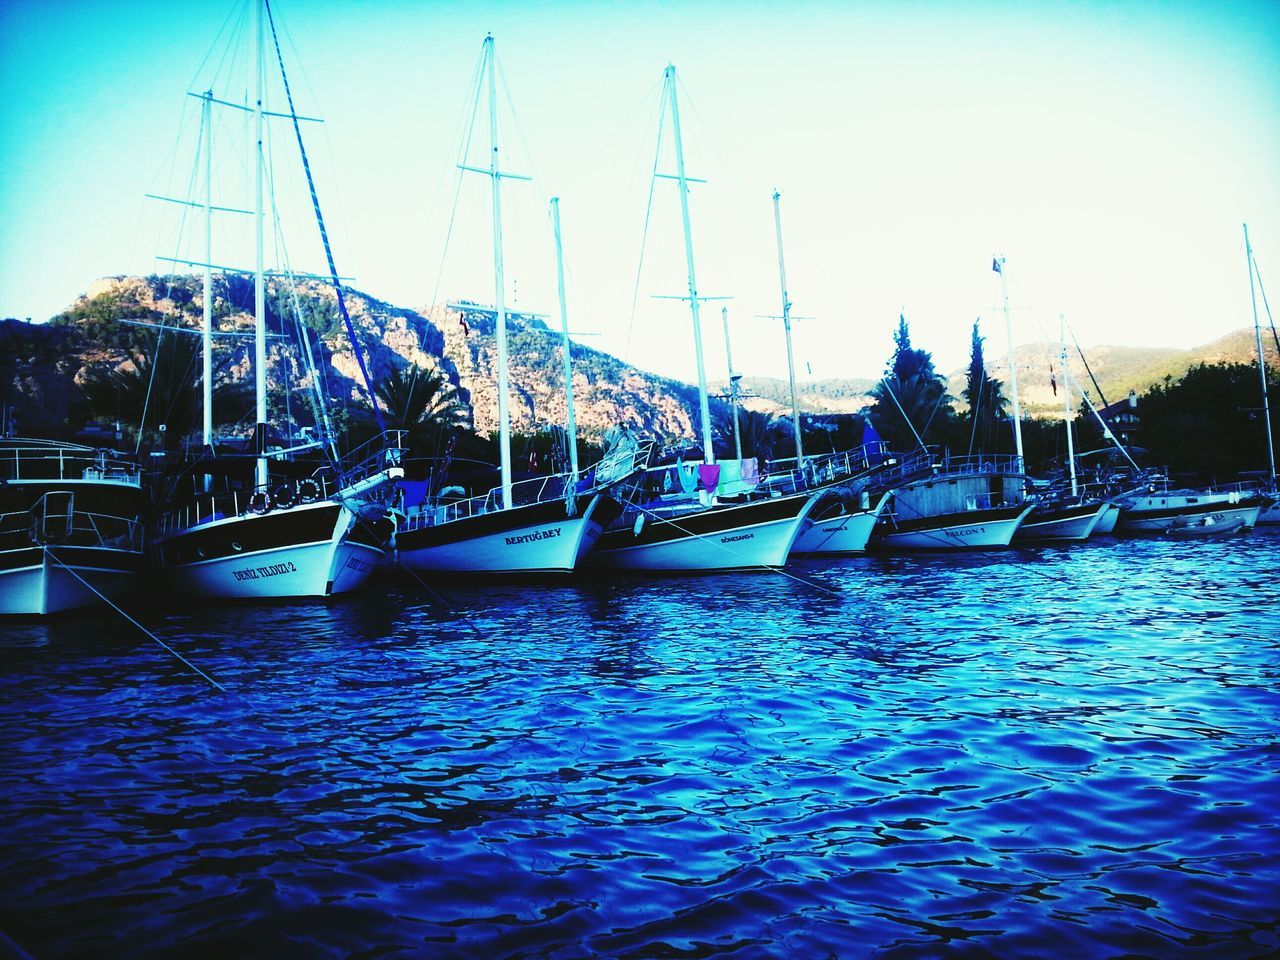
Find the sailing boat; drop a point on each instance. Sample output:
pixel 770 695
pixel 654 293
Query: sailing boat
pixel 845 514
pixel 1060 516
pixel 1270 513
pixel 1069 514
pixel 680 518
pixel 539 526
pixel 314 536
pixel 70 526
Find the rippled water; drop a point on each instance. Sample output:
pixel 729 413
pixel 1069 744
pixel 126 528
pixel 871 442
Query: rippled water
pixel 1051 752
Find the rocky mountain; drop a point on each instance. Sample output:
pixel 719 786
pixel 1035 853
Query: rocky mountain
pixel 104 330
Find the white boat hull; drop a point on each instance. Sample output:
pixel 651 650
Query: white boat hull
pixel 1161 513
pixel 1107 522
pixel 49 586
pixel 749 536
pixel 843 533
pixel 978 530
pixel 1070 523
pixel 1270 514
pixel 315 550
pixel 535 539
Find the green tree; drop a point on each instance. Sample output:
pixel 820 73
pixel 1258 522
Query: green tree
pixel 763 436
pixel 1209 423
pixel 911 398
pixel 986 414
pixel 163 387
pixel 425 404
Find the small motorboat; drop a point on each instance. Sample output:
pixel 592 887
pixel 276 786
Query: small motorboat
pixel 1206 526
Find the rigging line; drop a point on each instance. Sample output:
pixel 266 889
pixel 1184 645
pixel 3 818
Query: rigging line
pixel 214 43
pixel 151 378
pixel 107 600
pixel 166 164
pixel 644 237
pixel 608 141
pixel 1261 289
pixel 1087 368
pixel 435 595
pixel 422 583
pixel 706 130
pixel 911 425
pixel 724 546
pixel 319 412
pixel 462 131
pixel 232 49
pixel 324 134
pixel 942 393
pixel 976 408
pixel 511 108
pixel 463 155
pixel 324 236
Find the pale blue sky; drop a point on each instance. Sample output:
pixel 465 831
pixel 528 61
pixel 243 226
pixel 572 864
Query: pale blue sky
pixel 1109 151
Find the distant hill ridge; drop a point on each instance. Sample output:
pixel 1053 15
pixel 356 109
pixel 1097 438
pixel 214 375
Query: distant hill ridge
pixel 39 363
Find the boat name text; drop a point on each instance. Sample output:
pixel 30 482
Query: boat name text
pixel 537 535
pixel 261 573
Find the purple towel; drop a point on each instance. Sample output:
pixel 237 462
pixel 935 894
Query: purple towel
pixel 708 475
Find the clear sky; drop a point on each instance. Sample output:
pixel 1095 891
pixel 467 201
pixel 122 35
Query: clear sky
pixel 1110 151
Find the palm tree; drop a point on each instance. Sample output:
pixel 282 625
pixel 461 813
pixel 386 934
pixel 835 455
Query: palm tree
pixel 422 402
pixel 162 389
pixel 760 432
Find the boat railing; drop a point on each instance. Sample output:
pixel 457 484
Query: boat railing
pixel 790 475
pixel 617 465
pixel 68 527
pixel 55 462
pixel 523 494
pixel 382 454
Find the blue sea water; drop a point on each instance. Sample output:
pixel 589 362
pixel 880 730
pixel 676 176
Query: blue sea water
pixel 1046 752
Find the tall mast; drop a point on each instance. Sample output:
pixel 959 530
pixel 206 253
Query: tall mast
pixel 564 329
pixel 504 412
pixel 733 384
pixel 1013 366
pixel 708 452
pixel 259 285
pixel 1066 404
pixel 206 331
pixel 786 325
pixel 1262 366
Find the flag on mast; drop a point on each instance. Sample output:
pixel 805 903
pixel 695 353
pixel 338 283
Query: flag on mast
pixel 995 265
pixel 1053 381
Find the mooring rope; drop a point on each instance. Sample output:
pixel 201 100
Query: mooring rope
pixel 107 600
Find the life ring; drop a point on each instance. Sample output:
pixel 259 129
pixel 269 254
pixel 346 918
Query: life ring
pixel 260 502
pixel 308 491
pixel 284 495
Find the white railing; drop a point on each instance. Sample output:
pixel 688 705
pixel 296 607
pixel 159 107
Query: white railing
pixel 615 467
pixel 66 462
pixel 383 454
pixel 77 528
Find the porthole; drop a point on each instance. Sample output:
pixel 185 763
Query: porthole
pixel 236 546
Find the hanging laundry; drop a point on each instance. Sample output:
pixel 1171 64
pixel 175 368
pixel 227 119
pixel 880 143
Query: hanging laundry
pixel 688 477
pixel 708 476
